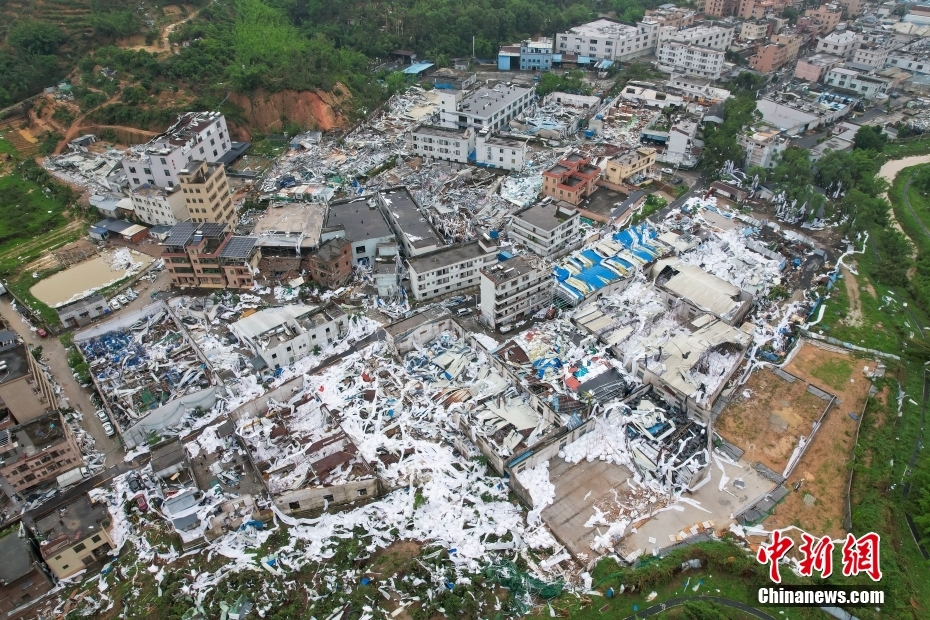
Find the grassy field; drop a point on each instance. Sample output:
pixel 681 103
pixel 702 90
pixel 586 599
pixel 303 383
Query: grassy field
pixel 26 211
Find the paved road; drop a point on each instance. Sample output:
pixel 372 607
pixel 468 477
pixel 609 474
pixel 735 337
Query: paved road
pixel 678 601
pixel 53 354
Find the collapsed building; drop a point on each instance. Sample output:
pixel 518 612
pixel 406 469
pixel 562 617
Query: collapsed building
pixel 148 371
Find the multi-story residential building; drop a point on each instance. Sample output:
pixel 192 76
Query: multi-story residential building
pixel 630 164
pixel 700 89
pixel 674 16
pixel 200 136
pixel 499 152
pixel 769 58
pixel 712 37
pixel 331 265
pixel 206 193
pixel 757 9
pixel 869 56
pixel 838 43
pixel 826 17
pixel 550 229
pixel 679 149
pixel 792 42
pixel 762 147
pixel 721 8
pixel 361 222
pixel 915 63
pixel 156 205
pixel 74 537
pixel 443 143
pixel 814 68
pixel 572 179
pixel 755 30
pixel 686 59
pixel 515 288
pixel 22 580
pixel 283 335
pixel 866 86
pixel 210 256
pixel 609 39
pixel 25 392
pixel 37 451
pixel 410 225
pixel 454 268
pixel 536 55
pixel 853 8
pixel 485 108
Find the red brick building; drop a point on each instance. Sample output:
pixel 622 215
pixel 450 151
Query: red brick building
pixel 572 179
pixel 207 255
pixel 331 265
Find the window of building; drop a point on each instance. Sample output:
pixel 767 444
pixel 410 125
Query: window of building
pixel 360 249
pixel 294 505
pixel 362 492
pixel 80 548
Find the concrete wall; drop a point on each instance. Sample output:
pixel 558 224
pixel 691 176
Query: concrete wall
pixel 424 333
pixel 168 415
pixel 259 406
pixel 318 498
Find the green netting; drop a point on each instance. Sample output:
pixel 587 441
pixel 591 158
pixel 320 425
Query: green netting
pixel 521 584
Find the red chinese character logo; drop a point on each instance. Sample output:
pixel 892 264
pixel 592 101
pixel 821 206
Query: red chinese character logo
pixel 774 552
pixel 818 555
pixel 861 556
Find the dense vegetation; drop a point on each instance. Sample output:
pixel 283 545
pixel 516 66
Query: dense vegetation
pixel 43 42
pixel 720 142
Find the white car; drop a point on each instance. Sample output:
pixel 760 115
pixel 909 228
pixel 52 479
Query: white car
pixel 667 171
pixel 115 304
pixel 506 328
pixel 122 299
pixel 102 415
pixel 131 294
pixel 108 429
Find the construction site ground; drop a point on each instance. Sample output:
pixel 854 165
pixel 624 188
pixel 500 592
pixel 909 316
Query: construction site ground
pixel 769 423
pixel 824 468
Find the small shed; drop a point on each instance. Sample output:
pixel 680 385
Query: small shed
pixel 133 233
pixel 406 56
pixel 731 192
pixel 159 233
pixel 98 233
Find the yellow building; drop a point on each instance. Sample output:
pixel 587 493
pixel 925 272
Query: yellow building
pixel 74 536
pixel 206 192
pixel 630 164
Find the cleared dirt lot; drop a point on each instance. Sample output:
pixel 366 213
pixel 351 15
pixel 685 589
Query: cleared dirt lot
pixel 823 469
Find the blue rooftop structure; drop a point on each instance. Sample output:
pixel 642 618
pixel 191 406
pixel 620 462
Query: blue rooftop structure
pixel 418 68
pixel 613 259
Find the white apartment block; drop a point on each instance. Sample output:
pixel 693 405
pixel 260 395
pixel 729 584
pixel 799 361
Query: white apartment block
pixel 451 269
pixel 691 60
pixel 550 229
pixel 154 205
pixel 498 152
pixel 866 86
pixel 762 148
pixel 714 37
pixel 679 149
pixel 283 335
pixel 484 108
pixel 200 136
pixel 909 62
pixel 608 39
pixel 514 289
pixel 838 44
pixel 869 56
pixel 441 143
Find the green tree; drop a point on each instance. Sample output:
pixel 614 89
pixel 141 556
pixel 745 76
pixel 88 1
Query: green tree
pixel 870 138
pixel 34 37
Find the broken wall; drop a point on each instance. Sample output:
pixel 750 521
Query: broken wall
pixel 320 498
pixel 259 406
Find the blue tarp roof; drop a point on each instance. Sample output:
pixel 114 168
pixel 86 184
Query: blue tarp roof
pixel 557 58
pixel 583 60
pixel 419 67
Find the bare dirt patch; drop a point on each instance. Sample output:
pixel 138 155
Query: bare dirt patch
pixel 767 425
pixel 824 466
pixel 854 318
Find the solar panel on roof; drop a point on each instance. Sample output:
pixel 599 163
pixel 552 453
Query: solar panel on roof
pixel 239 247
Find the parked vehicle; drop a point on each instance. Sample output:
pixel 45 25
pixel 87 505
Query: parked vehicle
pixel 115 304
pixel 464 311
pixel 505 328
pixel 41 333
pixel 131 294
pixel 141 503
pixel 108 429
pixel 135 484
pixel 122 299
pixel 102 415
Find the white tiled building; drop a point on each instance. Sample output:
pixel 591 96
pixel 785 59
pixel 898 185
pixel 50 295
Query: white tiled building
pixel 910 62
pixel 838 43
pixel 442 143
pixel 866 86
pixel 498 152
pixel 549 229
pixel 515 288
pixel 608 39
pixel 714 37
pixel 483 108
pixel 448 270
pixel 681 58
pixel 200 136
pixel 283 335
pixel 154 205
